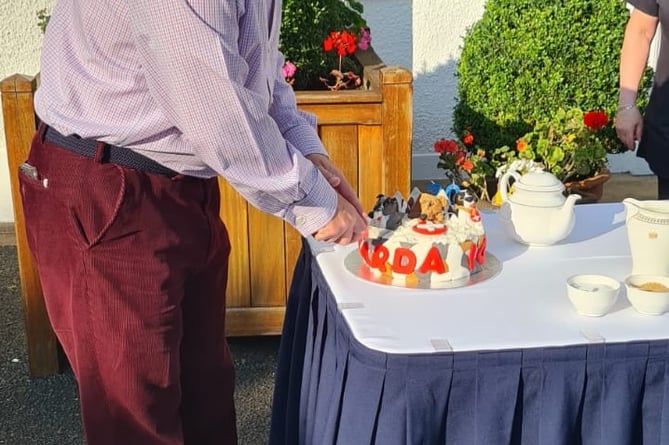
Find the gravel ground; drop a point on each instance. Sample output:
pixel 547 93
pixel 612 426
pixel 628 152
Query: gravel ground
pixel 45 411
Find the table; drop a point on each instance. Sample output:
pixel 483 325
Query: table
pixel 507 360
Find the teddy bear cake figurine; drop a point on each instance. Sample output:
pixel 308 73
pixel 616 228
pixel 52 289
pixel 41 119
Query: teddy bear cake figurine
pixel 435 236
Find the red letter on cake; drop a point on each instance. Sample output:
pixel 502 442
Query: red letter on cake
pixel 433 262
pixel 480 255
pixel 378 258
pixel 404 261
pixel 363 247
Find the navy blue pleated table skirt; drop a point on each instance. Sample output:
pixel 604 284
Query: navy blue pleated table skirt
pixel 330 389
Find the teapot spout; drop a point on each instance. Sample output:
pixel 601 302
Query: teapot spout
pixel 563 223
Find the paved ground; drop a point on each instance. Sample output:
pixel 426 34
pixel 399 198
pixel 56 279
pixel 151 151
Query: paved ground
pixel 45 411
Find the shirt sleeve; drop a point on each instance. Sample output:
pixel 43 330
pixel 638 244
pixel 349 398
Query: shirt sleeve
pixel 298 127
pixel 649 7
pixel 198 76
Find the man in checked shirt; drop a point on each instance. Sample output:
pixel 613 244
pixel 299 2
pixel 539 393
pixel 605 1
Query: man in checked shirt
pixel 143 104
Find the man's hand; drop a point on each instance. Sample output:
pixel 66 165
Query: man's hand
pixel 337 180
pixel 346 226
pixel 629 125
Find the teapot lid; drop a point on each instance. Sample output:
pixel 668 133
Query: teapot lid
pixel 538 189
pixel 539 181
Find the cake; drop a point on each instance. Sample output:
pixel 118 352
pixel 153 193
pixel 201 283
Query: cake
pixel 434 237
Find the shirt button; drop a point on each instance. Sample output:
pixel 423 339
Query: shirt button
pixel 300 220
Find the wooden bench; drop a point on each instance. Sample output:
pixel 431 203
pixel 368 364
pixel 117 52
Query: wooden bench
pixel 367 133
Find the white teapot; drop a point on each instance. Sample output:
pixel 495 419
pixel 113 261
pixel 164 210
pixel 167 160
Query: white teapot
pixel 537 213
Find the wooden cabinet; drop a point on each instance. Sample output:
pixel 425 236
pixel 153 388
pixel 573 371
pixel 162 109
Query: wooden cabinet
pixel 367 133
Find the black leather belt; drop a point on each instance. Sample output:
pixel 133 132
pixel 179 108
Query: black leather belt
pixel 111 153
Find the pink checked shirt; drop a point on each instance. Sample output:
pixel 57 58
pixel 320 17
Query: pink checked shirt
pixel 193 84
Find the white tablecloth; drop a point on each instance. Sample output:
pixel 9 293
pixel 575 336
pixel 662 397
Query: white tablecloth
pixel 524 306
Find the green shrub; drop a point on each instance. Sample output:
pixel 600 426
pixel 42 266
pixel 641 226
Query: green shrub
pixel 525 59
pixel 304 26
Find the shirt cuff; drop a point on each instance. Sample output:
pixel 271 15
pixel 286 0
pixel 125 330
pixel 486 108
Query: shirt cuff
pixel 316 209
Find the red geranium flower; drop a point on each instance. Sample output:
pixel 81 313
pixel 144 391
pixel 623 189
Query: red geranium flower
pixel 344 42
pixel 465 164
pixel 468 165
pixel 595 120
pixel 521 145
pixel 445 146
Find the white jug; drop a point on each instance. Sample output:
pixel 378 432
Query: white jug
pixel 648 235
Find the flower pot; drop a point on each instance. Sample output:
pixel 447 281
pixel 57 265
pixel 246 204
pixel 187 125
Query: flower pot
pixel 591 189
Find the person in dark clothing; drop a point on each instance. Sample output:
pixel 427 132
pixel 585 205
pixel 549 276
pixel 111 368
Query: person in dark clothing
pixel 648 134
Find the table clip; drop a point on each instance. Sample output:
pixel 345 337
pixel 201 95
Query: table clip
pixel 592 336
pixel 441 345
pixel 350 305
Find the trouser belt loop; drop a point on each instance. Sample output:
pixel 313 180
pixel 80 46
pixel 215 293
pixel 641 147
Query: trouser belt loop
pixel 99 151
pixel 41 130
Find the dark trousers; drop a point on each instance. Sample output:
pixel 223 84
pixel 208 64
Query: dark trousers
pixel 134 269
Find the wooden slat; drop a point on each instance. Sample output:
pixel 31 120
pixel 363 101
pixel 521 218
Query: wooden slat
pixel 351 114
pixel 234 213
pixel 254 321
pixel 341 142
pixel 397 128
pixel 267 259
pixel 340 97
pixel 19 120
pixel 370 166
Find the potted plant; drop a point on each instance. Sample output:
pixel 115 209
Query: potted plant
pixel 566 144
pixel 465 164
pixel 317 36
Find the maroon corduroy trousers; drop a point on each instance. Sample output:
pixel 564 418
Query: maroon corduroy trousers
pixel 134 269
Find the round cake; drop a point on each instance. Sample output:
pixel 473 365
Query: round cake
pixel 433 237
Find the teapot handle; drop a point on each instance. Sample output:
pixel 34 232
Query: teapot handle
pixel 503 184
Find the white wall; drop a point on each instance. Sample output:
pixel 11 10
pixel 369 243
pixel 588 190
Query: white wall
pixel 19 53
pixel 439 27
pixel 424 36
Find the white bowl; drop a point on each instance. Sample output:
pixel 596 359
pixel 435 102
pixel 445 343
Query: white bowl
pixel 592 295
pixel 648 302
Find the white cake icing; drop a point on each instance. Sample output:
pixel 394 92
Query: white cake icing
pixel 420 249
